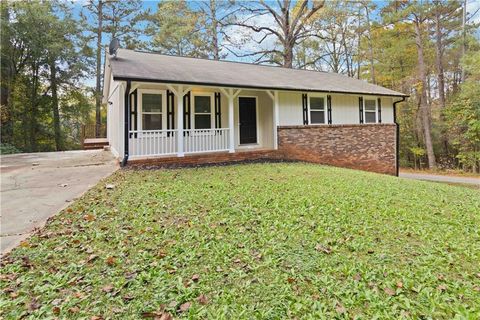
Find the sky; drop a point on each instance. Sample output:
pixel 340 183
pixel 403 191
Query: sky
pixel 472 6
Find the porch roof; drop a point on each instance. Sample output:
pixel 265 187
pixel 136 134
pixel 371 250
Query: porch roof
pixel 154 67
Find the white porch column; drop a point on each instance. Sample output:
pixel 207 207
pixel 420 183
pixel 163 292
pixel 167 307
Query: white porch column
pixel 231 94
pixel 276 120
pixel 179 92
pixel 180 95
pixel 231 124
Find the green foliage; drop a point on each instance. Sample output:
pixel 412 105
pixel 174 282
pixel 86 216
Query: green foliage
pixel 175 29
pixel 463 115
pixel 262 241
pixel 6 148
pixel 38 68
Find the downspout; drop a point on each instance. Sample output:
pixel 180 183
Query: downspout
pixel 397 140
pixel 126 123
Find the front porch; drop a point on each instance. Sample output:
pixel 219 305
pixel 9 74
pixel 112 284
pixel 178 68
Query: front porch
pixel 168 121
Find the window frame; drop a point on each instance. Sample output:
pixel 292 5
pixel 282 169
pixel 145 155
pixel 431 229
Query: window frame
pixel 365 98
pixel 317 95
pixel 140 111
pixel 211 95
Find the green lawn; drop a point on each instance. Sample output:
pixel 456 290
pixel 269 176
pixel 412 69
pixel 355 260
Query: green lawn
pixel 253 241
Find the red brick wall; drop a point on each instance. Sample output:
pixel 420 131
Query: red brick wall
pixel 206 158
pixel 369 147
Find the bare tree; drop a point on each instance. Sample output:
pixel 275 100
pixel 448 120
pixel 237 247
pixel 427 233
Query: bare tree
pixel 290 27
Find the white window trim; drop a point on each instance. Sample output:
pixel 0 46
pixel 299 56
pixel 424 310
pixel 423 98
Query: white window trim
pixel 212 110
pixel 365 98
pixel 140 108
pixel 317 95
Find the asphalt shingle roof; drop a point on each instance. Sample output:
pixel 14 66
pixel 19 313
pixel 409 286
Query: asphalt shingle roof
pixel 135 65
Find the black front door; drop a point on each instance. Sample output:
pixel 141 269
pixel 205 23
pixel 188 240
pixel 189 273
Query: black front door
pixel 247 109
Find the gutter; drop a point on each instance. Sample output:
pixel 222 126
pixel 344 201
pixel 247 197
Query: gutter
pixel 126 123
pixel 397 139
pixel 211 84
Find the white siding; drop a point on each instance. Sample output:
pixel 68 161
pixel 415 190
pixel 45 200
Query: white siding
pixel 344 109
pixel 115 117
pixel 290 108
pixel 387 110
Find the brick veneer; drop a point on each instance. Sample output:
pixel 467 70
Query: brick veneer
pixel 207 158
pixel 369 147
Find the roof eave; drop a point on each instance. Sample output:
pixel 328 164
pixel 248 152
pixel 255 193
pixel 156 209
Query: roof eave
pixel 123 78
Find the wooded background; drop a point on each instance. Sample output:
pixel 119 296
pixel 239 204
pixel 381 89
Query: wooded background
pixel 52 60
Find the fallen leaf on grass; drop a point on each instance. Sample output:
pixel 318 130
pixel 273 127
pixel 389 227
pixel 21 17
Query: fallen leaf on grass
pixel 322 248
pixel 107 288
pixel 340 308
pixel 389 291
pixel 185 306
pixel 110 261
pixel 202 299
pixel 74 309
pixel 442 287
pixel 89 217
pixel 24 244
pixel 195 278
pixel 399 284
pixel 157 315
pixel 96 318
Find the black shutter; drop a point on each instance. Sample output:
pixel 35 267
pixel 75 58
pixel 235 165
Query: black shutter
pixel 134 113
pixel 186 111
pixel 170 111
pixel 218 110
pixel 360 107
pixel 379 110
pixel 305 108
pixel 329 109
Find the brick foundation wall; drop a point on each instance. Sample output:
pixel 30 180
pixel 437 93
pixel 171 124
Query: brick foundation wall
pixel 206 158
pixel 369 147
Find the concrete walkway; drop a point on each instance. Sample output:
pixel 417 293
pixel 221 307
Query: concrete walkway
pixel 440 178
pixel 36 186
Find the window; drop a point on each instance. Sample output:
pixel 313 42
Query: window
pixel 317 110
pixel 202 112
pixel 370 110
pixel 151 109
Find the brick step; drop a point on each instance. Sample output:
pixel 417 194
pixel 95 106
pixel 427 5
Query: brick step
pixel 94 146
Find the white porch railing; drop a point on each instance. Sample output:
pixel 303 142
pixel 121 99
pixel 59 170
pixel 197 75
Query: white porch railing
pixel 206 140
pixel 152 143
pixel 148 143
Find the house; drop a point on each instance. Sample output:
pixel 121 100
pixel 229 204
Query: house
pixel 179 110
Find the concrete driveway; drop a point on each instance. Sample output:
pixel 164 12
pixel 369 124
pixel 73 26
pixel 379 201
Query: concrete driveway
pixel 35 186
pixel 441 178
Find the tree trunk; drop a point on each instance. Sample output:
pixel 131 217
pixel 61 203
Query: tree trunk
pixel 213 12
pixel 370 47
pixel 55 108
pixel 424 108
pixel 33 110
pixel 358 44
pixel 440 72
pixel 98 93
pixel 439 59
pixel 464 41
